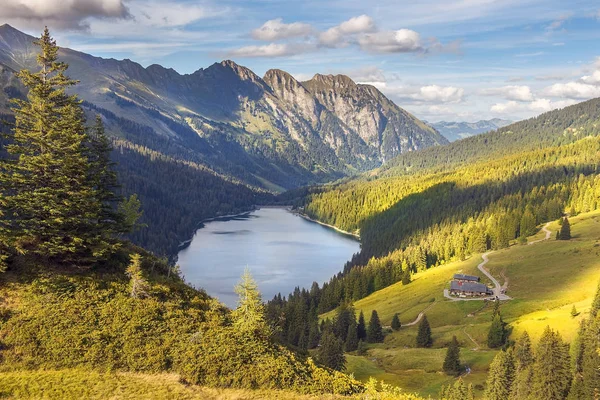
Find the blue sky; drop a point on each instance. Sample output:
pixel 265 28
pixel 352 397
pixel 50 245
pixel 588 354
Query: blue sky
pixel 439 59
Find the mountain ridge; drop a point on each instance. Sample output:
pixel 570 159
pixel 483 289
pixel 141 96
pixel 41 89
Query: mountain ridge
pixel 234 109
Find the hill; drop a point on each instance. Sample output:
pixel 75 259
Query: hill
pixel 454 131
pixel 545 280
pixel 222 127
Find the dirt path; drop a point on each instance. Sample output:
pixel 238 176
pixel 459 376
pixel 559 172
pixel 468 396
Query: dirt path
pixel 548 234
pixel 419 317
pixel 471 339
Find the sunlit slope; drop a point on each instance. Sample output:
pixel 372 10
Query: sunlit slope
pixel 545 280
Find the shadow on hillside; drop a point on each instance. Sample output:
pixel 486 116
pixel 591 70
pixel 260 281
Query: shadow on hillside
pixel 448 202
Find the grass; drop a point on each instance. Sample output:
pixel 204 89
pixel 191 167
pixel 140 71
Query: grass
pixel 86 384
pixel 545 280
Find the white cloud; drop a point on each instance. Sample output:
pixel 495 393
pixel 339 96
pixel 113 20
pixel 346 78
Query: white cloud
pixel 276 29
pixel 433 94
pixel 270 50
pixel 64 14
pixel 538 105
pixel 400 41
pixel 513 92
pixel 440 94
pixel 338 35
pixel 593 79
pixel 370 75
pixel 573 90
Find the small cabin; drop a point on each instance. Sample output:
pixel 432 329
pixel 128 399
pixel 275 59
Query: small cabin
pixel 469 289
pixel 466 278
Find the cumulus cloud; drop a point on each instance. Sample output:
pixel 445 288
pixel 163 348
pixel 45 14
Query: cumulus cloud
pixel 573 90
pixel 440 94
pixel 369 75
pixel 432 94
pixel 400 41
pixel 538 105
pixel 64 14
pixel 338 35
pixel 276 29
pixel 512 92
pixel 270 50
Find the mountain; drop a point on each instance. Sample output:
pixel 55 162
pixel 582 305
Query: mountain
pixel 459 130
pixel 272 132
pixel 228 135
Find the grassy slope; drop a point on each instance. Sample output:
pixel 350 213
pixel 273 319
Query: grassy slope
pixel 546 280
pixel 85 384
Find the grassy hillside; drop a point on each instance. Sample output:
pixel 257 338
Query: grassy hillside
pixel 94 385
pixel 545 280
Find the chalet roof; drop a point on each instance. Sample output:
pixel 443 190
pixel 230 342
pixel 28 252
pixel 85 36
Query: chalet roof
pixel 463 277
pixel 469 287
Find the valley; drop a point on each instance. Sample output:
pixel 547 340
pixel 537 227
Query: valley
pixel 333 223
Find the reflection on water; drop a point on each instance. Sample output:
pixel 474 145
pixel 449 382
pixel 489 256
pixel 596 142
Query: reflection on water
pixel 281 249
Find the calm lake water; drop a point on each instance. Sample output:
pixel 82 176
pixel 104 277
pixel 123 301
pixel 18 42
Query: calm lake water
pixel 281 249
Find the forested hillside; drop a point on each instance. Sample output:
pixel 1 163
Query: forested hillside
pixel 439 205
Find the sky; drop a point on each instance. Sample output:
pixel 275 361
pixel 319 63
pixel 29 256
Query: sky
pixel 450 60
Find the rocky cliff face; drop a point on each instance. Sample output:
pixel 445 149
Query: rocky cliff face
pixel 274 131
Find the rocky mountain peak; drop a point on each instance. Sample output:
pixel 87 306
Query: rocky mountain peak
pixel 333 81
pixel 244 73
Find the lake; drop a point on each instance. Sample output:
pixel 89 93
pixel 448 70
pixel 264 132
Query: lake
pixel 281 249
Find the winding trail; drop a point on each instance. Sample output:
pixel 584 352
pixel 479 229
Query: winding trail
pixel 471 338
pixel 498 289
pixel 419 317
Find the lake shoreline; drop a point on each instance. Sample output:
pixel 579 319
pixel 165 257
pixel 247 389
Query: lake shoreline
pixel 335 228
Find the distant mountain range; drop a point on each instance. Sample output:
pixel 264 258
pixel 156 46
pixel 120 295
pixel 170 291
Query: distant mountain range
pixel 272 132
pixel 459 130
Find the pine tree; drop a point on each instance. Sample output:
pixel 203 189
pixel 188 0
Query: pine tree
pixel 452 361
pixel 596 303
pixel 458 391
pixel 362 348
pixel 351 338
pixel 574 312
pixel 424 334
pixel 331 352
pixel 55 189
pixel 523 353
pixel 565 230
pixel 396 322
pixel 406 279
pixel 522 385
pixel 551 375
pixel 590 373
pixel 138 285
pixel 496 309
pixel 361 329
pixel 500 377
pixel 249 317
pixel 497 333
pixel 374 331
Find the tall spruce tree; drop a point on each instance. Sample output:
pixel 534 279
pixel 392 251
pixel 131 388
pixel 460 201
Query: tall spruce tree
pixel 52 204
pixel 396 322
pixel 565 230
pixel 374 331
pixel 596 303
pixel 452 361
pixel 351 343
pixel 424 334
pixel 500 377
pixel 497 333
pixel 590 374
pixel 361 329
pixel 331 352
pixel 551 370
